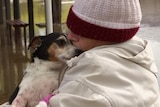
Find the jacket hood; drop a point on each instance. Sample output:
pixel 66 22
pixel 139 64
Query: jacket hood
pixel 135 50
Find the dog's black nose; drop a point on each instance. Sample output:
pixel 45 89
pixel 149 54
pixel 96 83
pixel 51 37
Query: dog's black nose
pixel 78 52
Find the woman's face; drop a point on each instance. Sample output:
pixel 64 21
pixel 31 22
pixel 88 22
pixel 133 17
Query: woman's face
pixel 78 41
pixel 84 43
pixel 73 38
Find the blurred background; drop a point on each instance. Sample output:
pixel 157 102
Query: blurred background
pixel 14 55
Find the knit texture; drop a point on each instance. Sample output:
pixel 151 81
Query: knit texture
pixel 106 20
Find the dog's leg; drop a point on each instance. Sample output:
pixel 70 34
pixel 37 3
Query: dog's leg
pixel 19 101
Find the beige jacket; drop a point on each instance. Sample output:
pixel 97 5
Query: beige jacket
pixel 120 75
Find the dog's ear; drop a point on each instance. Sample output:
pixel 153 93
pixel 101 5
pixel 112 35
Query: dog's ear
pixel 35 42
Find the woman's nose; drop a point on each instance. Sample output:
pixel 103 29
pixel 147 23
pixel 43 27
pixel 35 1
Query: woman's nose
pixel 73 37
pixel 69 35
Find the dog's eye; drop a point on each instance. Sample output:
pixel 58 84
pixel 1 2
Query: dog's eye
pixel 61 42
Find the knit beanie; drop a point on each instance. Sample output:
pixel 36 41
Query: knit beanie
pixel 105 20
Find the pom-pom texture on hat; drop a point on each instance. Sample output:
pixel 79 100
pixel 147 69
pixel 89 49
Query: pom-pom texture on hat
pixel 105 20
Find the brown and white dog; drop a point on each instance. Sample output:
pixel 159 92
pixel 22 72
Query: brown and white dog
pixel 41 76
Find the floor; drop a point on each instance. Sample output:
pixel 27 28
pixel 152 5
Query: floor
pixel 14 57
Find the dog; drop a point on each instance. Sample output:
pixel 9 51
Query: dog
pixel 48 59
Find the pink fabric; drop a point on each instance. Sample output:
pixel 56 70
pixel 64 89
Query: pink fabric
pixel 47 98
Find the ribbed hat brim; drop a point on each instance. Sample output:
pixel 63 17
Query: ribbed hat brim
pixel 83 28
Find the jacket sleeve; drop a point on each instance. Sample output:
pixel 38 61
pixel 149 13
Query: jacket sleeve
pixel 79 95
pixel 74 91
pixel 69 100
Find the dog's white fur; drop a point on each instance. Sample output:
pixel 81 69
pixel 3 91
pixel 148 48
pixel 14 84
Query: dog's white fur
pixel 41 78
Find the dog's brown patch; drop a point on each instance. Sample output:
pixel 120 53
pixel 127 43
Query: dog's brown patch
pixel 52 52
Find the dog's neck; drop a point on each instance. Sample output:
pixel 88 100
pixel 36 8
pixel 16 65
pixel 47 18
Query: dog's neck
pixel 44 65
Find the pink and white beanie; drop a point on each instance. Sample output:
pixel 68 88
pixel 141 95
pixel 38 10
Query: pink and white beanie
pixel 105 20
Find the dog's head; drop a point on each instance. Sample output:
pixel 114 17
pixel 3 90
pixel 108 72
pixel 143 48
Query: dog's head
pixel 53 47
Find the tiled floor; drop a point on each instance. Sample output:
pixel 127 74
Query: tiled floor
pixel 13 58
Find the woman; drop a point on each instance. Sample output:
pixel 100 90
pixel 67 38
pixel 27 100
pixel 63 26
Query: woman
pixel 117 69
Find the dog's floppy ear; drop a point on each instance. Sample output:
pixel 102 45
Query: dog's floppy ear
pixel 36 42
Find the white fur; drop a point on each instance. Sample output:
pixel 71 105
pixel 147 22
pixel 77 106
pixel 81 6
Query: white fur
pixel 40 79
